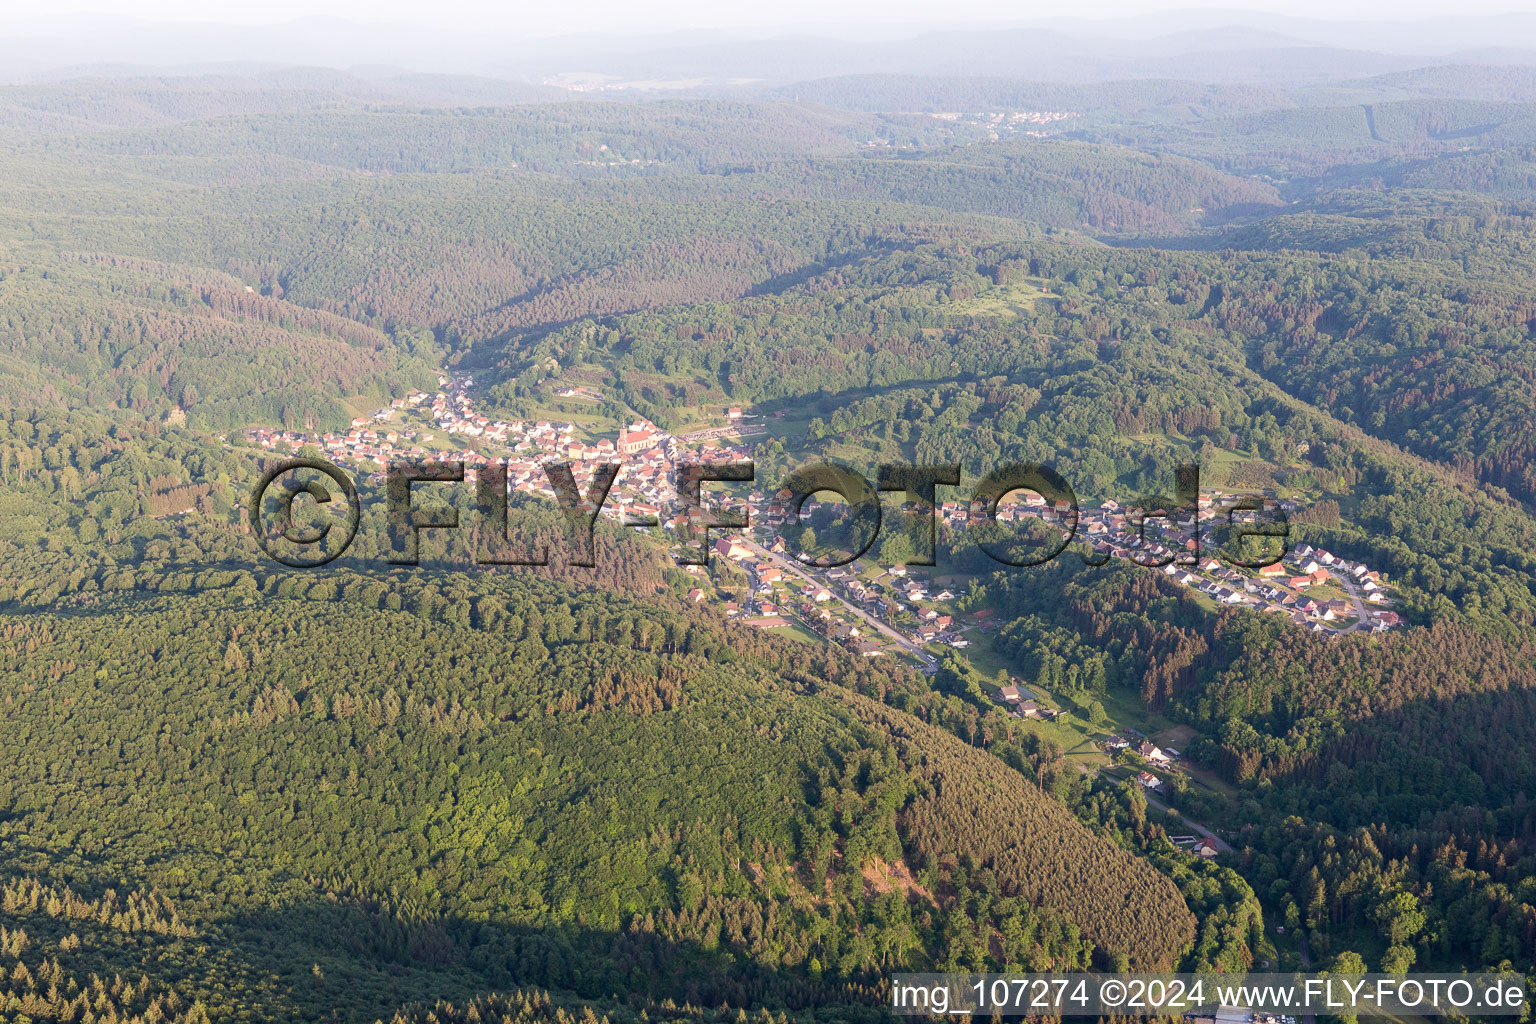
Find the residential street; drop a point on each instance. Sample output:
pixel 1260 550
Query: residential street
pixel 793 567
pixel 1348 586
pixel 1153 801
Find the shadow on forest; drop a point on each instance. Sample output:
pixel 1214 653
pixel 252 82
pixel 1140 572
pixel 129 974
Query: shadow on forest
pixel 350 959
pixel 484 355
pixel 1462 763
pixel 809 271
pixel 826 403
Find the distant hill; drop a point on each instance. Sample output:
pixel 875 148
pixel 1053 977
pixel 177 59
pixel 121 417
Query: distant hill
pixel 1514 84
pixel 1210 46
pixel 1132 100
pixel 134 102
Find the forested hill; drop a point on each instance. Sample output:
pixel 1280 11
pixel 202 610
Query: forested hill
pixel 110 332
pixel 1138 100
pixel 550 790
pixel 1165 100
pixel 90 104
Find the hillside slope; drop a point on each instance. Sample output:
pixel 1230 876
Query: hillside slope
pixel 535 796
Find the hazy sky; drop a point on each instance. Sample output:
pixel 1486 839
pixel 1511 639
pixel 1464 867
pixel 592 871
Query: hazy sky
pixel 545 17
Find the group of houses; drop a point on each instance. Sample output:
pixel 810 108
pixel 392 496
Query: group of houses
pixel 1173 542
pixel 773 595
pixel 1022 704
pixel 900 594
pixel 645 491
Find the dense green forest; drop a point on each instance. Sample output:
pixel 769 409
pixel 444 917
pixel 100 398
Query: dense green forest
pixel 237 791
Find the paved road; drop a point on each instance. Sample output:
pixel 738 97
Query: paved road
pixel 1306 965
pixel 1348 586
pixel 1350 591
pixel 1195 826
pixel 793 567
pixel 1152 801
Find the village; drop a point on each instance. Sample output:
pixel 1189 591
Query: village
pixel 1009 124
pixel 873 610
pixel 1313 588
pixel 645 489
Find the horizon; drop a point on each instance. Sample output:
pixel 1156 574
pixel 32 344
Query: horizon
pixel 677 46
pixel 682 17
